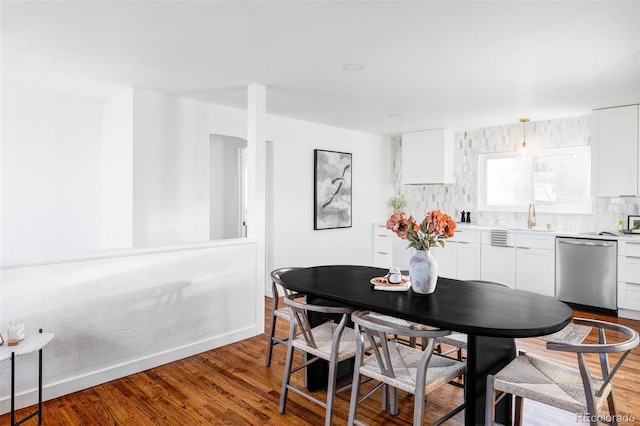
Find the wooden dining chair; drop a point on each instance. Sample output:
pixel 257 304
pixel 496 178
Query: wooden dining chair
pixel 397 366
pixel 284 313
pixel 329 341
pixel 576 390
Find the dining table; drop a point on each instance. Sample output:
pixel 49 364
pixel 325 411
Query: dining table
pixel 491 316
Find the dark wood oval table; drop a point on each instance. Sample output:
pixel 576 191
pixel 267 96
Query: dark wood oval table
pixel 491 316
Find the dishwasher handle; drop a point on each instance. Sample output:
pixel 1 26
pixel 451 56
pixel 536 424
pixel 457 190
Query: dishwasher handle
pixel 585 243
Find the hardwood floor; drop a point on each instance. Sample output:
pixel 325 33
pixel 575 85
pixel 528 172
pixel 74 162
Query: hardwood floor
pixel 231 385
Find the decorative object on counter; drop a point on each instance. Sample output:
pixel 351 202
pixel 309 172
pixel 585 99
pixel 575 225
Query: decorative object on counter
pixel 332 189
pixel 463 218
pixel 15 331
pixel 633 224
pixel 397 203
pixel 621 225
pixel 1 340
pixel 468 217
pixel 431 232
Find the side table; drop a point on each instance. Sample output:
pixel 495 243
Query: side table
pixel 26 346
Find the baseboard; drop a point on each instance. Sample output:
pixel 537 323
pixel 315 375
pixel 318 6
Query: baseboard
pixel 26 398
pixel 628 313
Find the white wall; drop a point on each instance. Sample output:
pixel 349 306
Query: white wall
pixel 295 242
pixel 107 313
pixel 168 195
pixel 51 175
pixel 171 174
pixel 117 171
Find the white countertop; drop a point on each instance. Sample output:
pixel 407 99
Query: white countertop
pixel 554 233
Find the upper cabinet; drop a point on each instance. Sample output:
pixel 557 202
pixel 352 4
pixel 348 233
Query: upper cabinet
pixel 427 157
pixel 614 152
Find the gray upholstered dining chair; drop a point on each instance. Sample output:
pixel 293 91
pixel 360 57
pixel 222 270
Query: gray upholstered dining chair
pixel 396 366
pixel 283 313
pixel 328 341
pixel 571 389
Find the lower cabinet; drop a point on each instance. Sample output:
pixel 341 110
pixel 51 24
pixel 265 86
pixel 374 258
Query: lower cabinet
pixel 389 249
pixel 526 262
pixel 629 276
pixel 535 270
pixel 460 257
pixel 498 264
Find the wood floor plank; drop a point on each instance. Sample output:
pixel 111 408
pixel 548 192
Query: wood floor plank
pixel 231 386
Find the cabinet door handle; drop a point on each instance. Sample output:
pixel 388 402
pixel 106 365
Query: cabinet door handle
pixel 384 236
pixel 462 242
pixel 523 248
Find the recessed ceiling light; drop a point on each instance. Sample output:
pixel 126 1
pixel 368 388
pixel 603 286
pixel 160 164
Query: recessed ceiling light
pixel 353 67
pixel 394 115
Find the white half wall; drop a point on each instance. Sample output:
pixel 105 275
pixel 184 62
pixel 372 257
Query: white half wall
pixel 128 311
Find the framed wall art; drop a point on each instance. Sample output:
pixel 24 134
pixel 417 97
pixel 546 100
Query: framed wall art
pixel 332 189
pixel 633 224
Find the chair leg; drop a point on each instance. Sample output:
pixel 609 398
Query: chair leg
pixel 489 406
pixel 272 331
pixel 331 389
pixel 612 409
pixel 287 370
pixel 355 388
pixel 418 402
pixel 519 410
pixel 393 401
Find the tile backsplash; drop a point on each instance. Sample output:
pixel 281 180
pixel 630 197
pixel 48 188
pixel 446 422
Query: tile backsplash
pixel 463 195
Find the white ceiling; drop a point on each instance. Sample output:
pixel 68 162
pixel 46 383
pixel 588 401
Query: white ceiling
pixel 453 64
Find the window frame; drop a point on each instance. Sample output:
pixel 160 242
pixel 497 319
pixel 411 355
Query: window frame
pixel 483 190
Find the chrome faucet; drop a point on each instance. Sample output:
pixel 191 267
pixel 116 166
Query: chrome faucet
pixel 532 216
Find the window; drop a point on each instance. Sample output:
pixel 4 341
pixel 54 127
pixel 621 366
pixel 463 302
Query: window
pixel 556 180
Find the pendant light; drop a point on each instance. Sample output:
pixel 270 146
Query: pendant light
pixel 522 151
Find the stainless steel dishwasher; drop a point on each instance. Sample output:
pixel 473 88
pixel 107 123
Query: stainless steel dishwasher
pixel 586 271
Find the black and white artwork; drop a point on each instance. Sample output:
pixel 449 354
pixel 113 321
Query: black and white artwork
pixel 332 192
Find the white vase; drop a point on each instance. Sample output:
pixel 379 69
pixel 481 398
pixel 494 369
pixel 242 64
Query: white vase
pixel 423 272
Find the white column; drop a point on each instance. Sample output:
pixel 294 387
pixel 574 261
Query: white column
pixel 256 158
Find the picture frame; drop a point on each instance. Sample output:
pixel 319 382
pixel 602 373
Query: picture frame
pixel 332 192
pixel 633 224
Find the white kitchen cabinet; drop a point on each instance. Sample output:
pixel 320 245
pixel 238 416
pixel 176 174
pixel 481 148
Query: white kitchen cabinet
pixel 460 258
pixel 526 261
pixel 614 151
pixel 535 263
pixel 498 265
pixel 427 157
pixel 629 279
pixel 447 260
pixel 389 249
